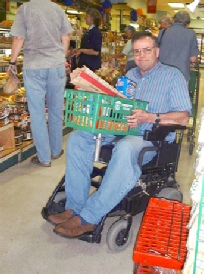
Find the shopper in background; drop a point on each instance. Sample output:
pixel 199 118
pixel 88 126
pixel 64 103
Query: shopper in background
pixel 165 22
pixel 89 53
pixel 127 50
pixel 165 89
pixel 178 45
pixel 43 31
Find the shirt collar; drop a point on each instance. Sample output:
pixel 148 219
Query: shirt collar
pixel 138 74
pixel 92 26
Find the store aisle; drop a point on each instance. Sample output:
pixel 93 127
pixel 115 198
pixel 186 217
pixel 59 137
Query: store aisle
pixel 27 242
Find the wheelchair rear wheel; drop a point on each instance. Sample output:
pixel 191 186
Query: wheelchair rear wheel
pixel 115 236
pixel 171 194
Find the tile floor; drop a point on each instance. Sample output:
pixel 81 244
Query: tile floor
pixel 27 242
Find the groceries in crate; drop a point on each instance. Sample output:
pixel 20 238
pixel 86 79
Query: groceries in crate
pixel 87 80
pixel 100 113
pixel 126 86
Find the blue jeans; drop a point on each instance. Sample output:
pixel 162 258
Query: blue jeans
pixel 46 85
pixel 121 175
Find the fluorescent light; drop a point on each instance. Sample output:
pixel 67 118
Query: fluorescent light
pixel 72 12
pixel 134 25
pixel 192 6
pixel 176 5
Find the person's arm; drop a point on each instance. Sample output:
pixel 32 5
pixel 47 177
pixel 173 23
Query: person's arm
pixel 140 116
pixel 17 45
pixel 87 51
pixel 194 59
pixel 66 42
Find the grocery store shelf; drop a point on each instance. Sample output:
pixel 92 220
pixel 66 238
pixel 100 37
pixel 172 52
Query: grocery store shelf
pixel 12 156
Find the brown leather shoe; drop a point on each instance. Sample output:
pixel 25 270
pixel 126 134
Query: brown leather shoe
pixel 73 228
pixel 59 218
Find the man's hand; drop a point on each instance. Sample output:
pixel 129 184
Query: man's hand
pixel 12 69
pixel 138 117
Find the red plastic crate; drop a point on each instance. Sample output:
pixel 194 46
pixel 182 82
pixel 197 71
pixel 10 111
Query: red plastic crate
pixel 144 269
pixel 162 237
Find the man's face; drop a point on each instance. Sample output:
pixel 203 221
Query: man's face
pixel 145 54
pixel 164 25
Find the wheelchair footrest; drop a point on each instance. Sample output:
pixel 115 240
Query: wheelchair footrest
pixel 91 237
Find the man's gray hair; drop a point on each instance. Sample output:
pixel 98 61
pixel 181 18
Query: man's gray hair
pixel 131 29
pixel 182 17
pixel 166 19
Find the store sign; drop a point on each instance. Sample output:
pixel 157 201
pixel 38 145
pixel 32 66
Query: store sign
pixel 151 6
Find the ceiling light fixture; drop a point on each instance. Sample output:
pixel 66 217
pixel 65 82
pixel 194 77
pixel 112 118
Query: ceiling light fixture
pixel 176 5
pixel 192 6
pixel 72 12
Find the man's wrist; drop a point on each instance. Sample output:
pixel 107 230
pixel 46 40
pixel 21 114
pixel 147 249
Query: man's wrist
pixel 12 63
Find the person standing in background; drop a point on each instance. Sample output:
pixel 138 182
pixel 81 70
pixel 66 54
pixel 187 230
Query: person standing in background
pixel 178 45
pixel 165 22
pixel 127 50
pixel 42 29
pixel 89 53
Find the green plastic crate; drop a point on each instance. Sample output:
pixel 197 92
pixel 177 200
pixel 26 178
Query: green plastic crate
pixel 99 113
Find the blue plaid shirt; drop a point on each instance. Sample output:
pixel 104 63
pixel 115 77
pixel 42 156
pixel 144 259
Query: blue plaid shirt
pixel 165 89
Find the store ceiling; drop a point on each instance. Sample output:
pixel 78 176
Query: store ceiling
pixel 162 5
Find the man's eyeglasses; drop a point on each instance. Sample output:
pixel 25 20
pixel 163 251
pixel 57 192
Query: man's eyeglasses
pixel 137 52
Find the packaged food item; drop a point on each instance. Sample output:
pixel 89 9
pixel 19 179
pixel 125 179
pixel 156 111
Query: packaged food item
pixel 4 121
pixel 18 136
pixel 126 86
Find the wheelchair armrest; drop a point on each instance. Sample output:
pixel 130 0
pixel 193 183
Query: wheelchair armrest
pixel 159 132
pixel 142 152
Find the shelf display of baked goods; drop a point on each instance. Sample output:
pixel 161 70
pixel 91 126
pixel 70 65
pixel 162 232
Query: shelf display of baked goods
pixel 110 75
pixel 112 44
pixel 200 40
pixel 5 37
pixel 14 122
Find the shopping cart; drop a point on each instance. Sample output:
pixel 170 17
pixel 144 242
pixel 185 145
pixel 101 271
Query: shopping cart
pixel 194 94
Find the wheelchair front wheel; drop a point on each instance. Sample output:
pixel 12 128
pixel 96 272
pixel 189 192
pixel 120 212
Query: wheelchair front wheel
pixel 171 194
pixel 115 236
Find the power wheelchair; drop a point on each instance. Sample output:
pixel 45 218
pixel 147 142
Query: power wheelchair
pixel 157 180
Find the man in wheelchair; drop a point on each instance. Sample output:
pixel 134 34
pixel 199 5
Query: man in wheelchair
pixel 165 89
